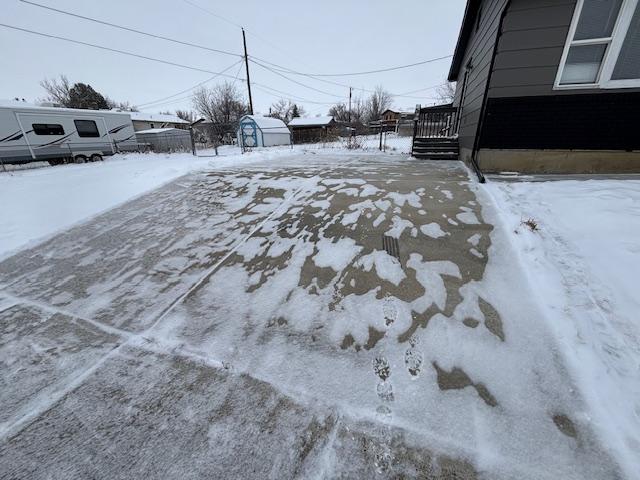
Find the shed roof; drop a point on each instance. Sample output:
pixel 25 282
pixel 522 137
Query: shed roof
pixel 311 122
pixel 156 117
pixel 155 131
pixel 268 124
pixel 470 13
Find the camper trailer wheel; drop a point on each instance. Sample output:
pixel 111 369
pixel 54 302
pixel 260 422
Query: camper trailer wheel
pixel 96 157
pixel 80 159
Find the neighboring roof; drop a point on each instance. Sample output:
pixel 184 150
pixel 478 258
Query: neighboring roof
pixel 156 117
pixel 311 122
pixel 268 124
pixel 389 110
pixel 438 107
pixel 154 131
pixel 466 30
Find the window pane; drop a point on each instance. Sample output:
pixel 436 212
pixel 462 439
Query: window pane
pixel 47 129
pixel 628 64
pixel 583 64
pixel 86 128
pixel 597 19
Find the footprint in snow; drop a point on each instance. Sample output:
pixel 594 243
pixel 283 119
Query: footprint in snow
pixel 382 369
pixel 413 359
pixel 385 391
pixel 390 311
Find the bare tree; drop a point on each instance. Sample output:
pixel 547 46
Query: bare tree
pixel 446 92
pixel 340 112
pixel 186 115
pixel 286 110
pixel 220 104
pixel 378 102
pixel 122 106
pixel 58 90
pixel 359 109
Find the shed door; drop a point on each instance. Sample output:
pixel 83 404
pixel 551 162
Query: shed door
pixel 249 134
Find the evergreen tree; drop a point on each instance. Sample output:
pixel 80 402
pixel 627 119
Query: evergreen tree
pixel 83 96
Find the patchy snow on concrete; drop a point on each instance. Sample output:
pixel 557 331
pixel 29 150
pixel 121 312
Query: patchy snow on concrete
pixel 582 261
pixel 336 255
pixel 387 267
pixel 435 354
pixel 433 230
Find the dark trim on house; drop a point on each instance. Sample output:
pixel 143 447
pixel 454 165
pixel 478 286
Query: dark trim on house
pixel 602 121
pixel 485 98
pixel 467 29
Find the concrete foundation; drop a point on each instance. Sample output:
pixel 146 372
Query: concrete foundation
pixel 559 161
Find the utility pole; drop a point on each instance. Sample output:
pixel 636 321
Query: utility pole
pixel 350 89
pixel 246 64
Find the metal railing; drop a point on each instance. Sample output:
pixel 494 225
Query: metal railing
pixel 438 122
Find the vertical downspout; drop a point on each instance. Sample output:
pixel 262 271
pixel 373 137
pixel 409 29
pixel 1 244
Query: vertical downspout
pixel 485 99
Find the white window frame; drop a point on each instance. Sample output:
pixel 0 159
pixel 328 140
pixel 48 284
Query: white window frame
pixel 614 46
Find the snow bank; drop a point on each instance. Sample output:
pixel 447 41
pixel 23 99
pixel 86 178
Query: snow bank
pixel 582 262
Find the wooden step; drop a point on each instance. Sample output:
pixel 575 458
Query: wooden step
pixel 435 148
pixel 436 156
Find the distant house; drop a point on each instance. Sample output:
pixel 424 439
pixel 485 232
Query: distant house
pixel 314 129
pixel 392 121
pixel 148 121
pixel 256 131
pixel 390 115
pixel 549 86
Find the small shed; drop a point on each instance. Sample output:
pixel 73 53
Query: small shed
pixel 165 139
pixel 315 129
pixel 256 131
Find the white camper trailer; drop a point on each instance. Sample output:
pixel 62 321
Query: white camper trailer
pixel 31 133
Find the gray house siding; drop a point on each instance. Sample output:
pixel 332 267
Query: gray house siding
pixel 510 112
pixel 479 50
pixel 534 34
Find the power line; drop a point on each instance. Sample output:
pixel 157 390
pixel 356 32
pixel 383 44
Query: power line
pixel 259 37
pixel 280 93
pixel 166 62
pixel 388 69
pixel 121 27
pixel 295 81
pixel 283 69
pixel 313 77
pixel 170 102
pixel 212 13
pixel 421 89
pixel 239 62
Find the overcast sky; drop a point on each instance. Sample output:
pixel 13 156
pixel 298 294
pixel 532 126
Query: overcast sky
pixel 322 37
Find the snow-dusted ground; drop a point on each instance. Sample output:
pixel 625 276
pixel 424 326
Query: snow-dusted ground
pixel 42 201
pixel 247 322
pixel 37 203
pixel 583 265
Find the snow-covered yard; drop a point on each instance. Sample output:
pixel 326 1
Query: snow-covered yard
pixel 582 263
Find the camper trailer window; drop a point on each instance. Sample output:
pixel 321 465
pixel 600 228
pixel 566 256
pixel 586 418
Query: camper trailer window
pixel 86 128
pixel 47 129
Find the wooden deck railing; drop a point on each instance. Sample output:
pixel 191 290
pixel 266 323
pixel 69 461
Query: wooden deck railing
pixel 436 122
